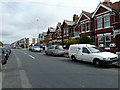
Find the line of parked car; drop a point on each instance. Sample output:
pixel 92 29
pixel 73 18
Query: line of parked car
pixel 84 52
pixel 4 55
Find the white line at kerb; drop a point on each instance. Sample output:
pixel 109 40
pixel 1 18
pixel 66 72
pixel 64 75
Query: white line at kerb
pixel 23 76
pixel 31 56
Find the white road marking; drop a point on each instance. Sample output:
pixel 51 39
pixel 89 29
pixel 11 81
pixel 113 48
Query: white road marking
pixel 23 77
pixel 113 70
pixel 31 56
pixel 28 54
pixel 25 53
pixel 24 80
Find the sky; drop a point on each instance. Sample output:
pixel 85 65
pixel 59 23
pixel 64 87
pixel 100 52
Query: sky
pixel 28 18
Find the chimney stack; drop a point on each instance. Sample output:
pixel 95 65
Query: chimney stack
pixel 75 17
pixel 108 2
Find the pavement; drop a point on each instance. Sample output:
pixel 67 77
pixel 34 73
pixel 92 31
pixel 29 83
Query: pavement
pixel 27 69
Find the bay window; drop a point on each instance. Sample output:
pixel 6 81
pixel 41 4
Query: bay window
pixel 99 22
pixel 107 40
pixel 100 39
pixel 66 31
pixel 106 20
pixel 83 27
pixel 87 26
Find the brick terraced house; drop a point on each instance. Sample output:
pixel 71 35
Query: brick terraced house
pixel 42 38
pixel 106 23
pixel 51 36
pixel 102 26
pixel 58 33
pixel 85 24
pixel 67 28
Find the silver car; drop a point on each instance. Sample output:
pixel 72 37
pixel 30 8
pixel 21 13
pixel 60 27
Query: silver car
pixel 55 50
pixel 36 49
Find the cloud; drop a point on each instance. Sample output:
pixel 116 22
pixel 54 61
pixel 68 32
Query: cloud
pixel 27 18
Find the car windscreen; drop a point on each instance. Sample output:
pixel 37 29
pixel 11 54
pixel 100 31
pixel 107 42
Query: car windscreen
pixel 58 47
pixel 36 47
pixel 95 49
pixel 4 49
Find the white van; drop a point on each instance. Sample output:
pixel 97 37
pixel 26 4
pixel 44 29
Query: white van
pixel 90 53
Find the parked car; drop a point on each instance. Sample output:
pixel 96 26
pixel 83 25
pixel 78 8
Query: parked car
pixel 91 53
pixel 36 49
pixel 2 59
pixel 30 48
pixel 6 52
pixel 55 50
pixel 18 47
pixel 8 49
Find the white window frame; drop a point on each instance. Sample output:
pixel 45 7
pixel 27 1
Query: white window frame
pixel 100 17
pixel 82 27
pixel 66 31
pixel 107 34
pixel 107 21
pixel 87 30
pixel 116 32
pixel 100 42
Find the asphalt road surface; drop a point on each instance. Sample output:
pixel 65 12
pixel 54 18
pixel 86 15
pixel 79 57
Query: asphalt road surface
pixel 26 69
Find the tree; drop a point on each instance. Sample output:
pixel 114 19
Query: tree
pixel 71 41
pixel 1 44
pixel 84 40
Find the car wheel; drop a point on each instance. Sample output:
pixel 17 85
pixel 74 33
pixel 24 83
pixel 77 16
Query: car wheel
pixel 52 53
pixel 4 62
pixel 97 63
pixel 73 58
pixel 62 55
pixel 6 57
pixel 46 53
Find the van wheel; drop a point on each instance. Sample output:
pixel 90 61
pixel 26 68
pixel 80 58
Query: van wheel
pixel 97 63
pixel 73 58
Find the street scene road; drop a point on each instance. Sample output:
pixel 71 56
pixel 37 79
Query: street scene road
pixel 26 69
pixel 60 44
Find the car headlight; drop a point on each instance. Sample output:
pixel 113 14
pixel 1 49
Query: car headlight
pixel 5 54
pixel 106 59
